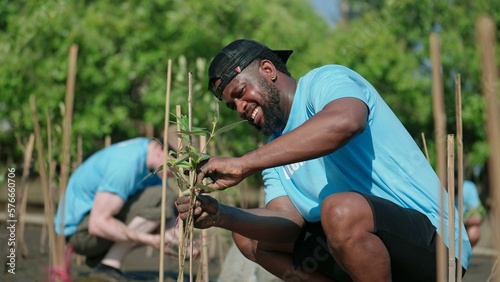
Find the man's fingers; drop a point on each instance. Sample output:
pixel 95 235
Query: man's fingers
pixel 183 204
pixel 201 171
pixel 183 200
pixel 200 176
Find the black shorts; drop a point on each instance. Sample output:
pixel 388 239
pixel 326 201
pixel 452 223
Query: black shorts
pixel 408 235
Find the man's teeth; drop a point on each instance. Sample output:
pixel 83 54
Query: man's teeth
pixel 255 113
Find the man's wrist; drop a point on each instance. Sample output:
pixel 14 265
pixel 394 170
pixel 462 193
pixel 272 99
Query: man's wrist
pixel 246 162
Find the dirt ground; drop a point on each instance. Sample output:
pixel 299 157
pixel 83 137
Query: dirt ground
pixel 142 264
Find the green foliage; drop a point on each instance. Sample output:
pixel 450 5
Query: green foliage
pixel 124 47
pixel 122 59
pixel 184 162
pixel 388 43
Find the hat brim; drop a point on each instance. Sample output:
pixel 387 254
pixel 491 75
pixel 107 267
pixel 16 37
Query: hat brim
pixel 283 54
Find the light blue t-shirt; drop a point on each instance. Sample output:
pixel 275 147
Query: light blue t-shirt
pixel 120 169
pixel 471 198
pixel 383 160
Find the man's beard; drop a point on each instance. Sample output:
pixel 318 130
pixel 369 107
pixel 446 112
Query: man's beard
pixel 273 115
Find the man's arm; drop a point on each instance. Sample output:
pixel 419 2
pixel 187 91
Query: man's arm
pixel 279 222
pixel 102 222
pixel 330 129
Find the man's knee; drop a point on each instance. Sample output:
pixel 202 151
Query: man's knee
pixel 246 246
pixel 147 204
pixel 88 245
pixel 344 214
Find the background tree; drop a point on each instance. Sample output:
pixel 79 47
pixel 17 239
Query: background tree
pixel 124 47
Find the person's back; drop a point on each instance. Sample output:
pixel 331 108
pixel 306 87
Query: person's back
pixel 119 168
pixel 473 211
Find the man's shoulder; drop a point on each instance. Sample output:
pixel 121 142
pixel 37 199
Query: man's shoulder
pixel 328 74
pixel 119 153
pixel 469 187
pixel 333 68
pixel 138 141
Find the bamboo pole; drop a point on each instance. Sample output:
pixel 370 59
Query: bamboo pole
pixel 28 156
pixel 68 117
pixel 439 131
pixel 451 208
pixel 48 208
pixel 66 145
pixel 164 172
pixel 425 148
pixel 460 170
pixel 79 159
pixel 203 272
pixel 52 169
pixel 180 230
pixel 79 151
pixel 486 36
pixel 107 141
pixel 191 173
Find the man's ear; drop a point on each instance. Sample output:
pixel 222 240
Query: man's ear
pixel 268 69
pixel 159 151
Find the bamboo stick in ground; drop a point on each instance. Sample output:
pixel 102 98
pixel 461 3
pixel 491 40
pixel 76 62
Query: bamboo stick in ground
pixel 191 173
pixel 52 169
pixel 28 155
pixel 486 36
pixel 48 208
pixel 164 172
pixel 66 145
pixel 440 134
pixel 460 170
pixel 79 159
pixel 79 151
pixel 425 148
pixel 203 274
pixel 451 208
pixel 68 117
pixel 107 141
pixel 182 251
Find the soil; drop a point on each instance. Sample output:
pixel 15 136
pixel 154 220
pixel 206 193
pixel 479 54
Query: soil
pixel 142 264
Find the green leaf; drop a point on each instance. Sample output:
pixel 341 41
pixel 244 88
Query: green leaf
pixel 229 127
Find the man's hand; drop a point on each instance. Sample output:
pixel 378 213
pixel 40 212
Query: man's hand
pixel 206 210
pixel 224 172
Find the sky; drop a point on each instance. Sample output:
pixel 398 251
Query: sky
pixel 329 9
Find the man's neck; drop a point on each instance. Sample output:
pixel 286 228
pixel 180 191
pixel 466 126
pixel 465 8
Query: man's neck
pixel 287 95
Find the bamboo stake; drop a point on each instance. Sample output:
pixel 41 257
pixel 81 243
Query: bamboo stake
pixel 439 131
pixel 149 130
pixel 79 151
pixel 486 36
pixel 180 230
pixel 451 208
pixel 52 169
pixel 460 169
pixel 191 173
pixel 203 273
pixel 66 144
pixel 164 172
pixel 48 208
pixel 107 141
pixel 425 148
pixel 28 155
pixel 79 159
pixel 68 117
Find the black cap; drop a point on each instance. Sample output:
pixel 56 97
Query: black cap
pixel 235 57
